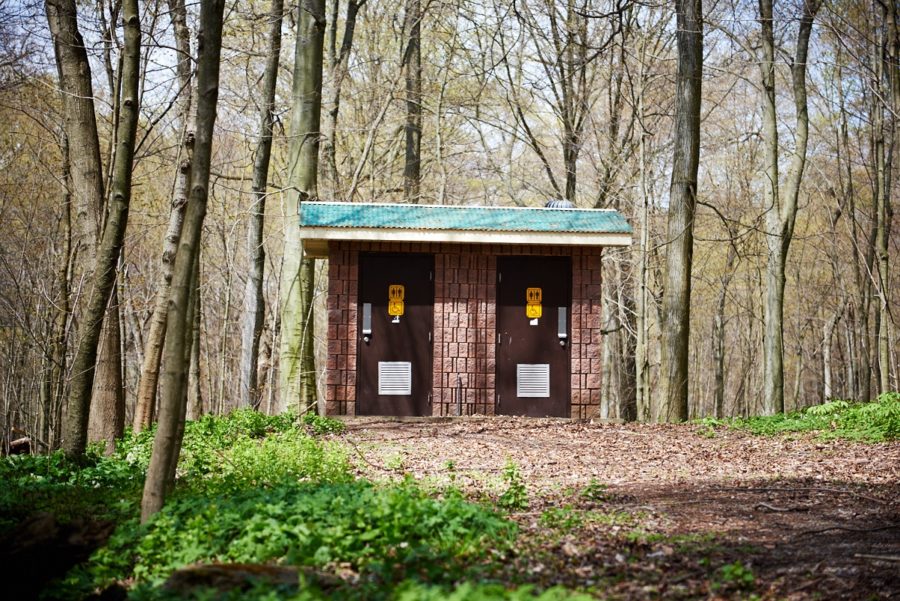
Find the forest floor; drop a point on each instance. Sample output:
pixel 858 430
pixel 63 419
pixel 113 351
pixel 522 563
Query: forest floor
pixel 647 511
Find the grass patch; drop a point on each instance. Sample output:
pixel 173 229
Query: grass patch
pixel 877 421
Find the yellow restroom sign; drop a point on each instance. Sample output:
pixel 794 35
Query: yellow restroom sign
pixel 533 307
pixel 396 294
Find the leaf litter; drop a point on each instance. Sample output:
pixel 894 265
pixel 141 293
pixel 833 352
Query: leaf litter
pixel 645 511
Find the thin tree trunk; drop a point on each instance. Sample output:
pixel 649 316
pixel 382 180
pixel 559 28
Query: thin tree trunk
pixel 626 407
pixel 412 60
pixel 886 57
pixel 641 350
pixel 297 357
pixel 113 233
pixel 338 62
pixel 57 375
pixel 194 393
pixel 676 303
pixel 146 396
pixel 719 336
pixel 173 398
pixel 253 313
pixel 781 210
pixel 827 336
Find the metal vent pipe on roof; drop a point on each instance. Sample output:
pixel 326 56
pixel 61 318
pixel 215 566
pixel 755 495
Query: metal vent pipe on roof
pixel 559 203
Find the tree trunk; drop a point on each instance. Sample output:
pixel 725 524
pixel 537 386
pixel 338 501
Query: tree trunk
pixel 80 125
pixel 57 374
pixel 781 211
pixel 338 63
pixel 297 356
pixel 146 396
pixel 194 394
pixel 103 279
pixel 107 415
pixel 173 397
pixel 886 58
pixel 719 336
pixel 254 303
pixel 827 336
pixel 641 347
pixel 676 303
pixel 412 60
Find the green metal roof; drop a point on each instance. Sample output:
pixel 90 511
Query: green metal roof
pixel 457 218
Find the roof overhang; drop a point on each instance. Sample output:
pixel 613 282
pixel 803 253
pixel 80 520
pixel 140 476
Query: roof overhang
pixel 322 223
pixel 316 239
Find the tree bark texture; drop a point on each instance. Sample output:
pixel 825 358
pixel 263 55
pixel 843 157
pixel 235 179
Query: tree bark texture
pixel 297 358
pixel 254 303
pixel 781 209
pixel 107 414
pixel 80 124
pixel 176 355
pixel 676 303
pixel 146 397
pixel 194 393
pixel 107 257
pixel 412 60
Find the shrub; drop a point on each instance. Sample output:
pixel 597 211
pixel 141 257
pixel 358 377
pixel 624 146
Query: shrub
pixel 515 497
pixel 323 425
pixel 870 422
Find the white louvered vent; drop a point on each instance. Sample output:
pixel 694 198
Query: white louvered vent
pixel 394 377
pixel 533 380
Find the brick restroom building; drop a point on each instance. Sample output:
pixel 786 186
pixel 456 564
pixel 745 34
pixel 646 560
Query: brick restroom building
pixel 448 310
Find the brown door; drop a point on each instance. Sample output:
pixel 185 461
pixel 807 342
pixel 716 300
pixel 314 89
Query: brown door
pixel 533 317
pixel 395 318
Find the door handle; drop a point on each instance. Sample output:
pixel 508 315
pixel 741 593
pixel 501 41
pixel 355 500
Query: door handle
pixel 367 322
pixel 562 331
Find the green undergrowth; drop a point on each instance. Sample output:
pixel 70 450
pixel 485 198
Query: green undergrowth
pixel 877 421
pixel 254 489
pixel 242 449
pixel 387 534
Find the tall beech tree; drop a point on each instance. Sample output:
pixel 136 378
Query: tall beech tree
pixel 298 365
pixel 254 302
pixel 179 334
pixel 781 205
pixel 672 400
pixel 145 405
pixel 81 129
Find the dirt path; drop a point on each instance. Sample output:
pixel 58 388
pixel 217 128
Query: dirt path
pixel 643 511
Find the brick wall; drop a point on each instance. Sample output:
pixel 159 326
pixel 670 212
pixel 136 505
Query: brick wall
pixel 464 324
pixel 340 379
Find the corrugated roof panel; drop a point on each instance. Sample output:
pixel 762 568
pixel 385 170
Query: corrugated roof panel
pixel 433 217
